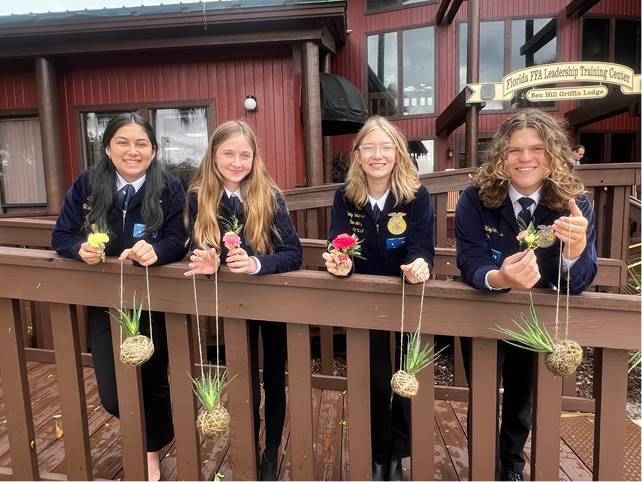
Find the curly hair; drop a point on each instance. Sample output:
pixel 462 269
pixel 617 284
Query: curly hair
pixel 404 179
pixel 560 183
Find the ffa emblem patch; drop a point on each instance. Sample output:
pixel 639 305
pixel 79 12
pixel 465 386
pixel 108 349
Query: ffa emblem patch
pixel 546 236
pixel 397 224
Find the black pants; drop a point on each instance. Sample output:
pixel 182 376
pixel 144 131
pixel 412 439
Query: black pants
pixel 515 368
pixel 274 339
pixel 156 395
pixel 389 420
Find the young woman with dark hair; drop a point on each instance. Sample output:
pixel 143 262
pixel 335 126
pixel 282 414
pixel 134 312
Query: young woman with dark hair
pixel 129 196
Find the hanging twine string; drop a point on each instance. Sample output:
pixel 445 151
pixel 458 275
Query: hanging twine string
pixel 403 309
pixel 198 327
pixel 149 303
pixel 121 300
pixel 559 285
pixel 218 357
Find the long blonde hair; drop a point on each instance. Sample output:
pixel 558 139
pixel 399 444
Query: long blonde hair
pixel 404 179
pixel 257 189
pixel 560 182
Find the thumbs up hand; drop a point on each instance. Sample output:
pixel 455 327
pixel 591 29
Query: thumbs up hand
pixel 571 230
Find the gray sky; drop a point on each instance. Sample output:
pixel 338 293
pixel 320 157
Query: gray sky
pixel 40 6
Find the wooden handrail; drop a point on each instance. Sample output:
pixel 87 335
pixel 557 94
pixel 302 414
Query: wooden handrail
pixel 300 299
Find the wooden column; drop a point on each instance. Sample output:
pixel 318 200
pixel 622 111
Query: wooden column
pixel 311 104
pixel 50 133
pixel 327 140
pixel 472 77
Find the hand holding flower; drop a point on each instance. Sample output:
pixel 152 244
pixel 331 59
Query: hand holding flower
pixel 341 250
pixel 203 262
pixel 231 240
pixel 338 264
pixel 238 261
pixel 93 250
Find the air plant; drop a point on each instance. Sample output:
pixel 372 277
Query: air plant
pixel 136 349
pixel 635 360
pixel 562 356
pixel 404 382
pixel 213 419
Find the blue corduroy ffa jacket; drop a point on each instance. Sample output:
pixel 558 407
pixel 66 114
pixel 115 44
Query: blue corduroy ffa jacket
pixel 486 237
pixel 168 241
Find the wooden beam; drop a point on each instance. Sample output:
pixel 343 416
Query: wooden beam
pixel 311 103
pixel 581 6
pixel 50 132
pixel 453 116
pixel 472 77
pixel 454 8
pixel 545 35
pixel 613 104
pixel 441 11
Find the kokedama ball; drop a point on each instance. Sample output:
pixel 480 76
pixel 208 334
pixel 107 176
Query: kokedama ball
pixel 565 358
pixel 213 423
pixel 404 384
pixel 136 350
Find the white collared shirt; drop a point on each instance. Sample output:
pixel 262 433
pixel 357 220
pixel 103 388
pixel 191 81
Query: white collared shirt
pixel 381 202
pixel 121 182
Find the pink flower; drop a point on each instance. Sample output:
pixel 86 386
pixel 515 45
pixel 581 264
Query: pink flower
pixel 344 242
pixel 522 234
pixel 231 240
pixel 343 257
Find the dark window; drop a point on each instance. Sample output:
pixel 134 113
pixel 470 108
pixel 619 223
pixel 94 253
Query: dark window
pixel 623 47
pixel 405 59
pixel 543 51
pixel 622 147
pixel 374 5
pixel 595 39
pixel 22 173
pixel 627 43
pixel 594 147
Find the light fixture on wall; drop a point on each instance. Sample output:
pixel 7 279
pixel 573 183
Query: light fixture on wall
pixel 250 103
pixel 450 153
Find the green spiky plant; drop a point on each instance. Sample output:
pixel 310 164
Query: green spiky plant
pixel 404 382
pixel 418 358
pixel 562 356
pixel 130 320
pixel 213 419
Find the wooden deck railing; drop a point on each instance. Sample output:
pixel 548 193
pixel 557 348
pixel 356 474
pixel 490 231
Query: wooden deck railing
pixel 607 321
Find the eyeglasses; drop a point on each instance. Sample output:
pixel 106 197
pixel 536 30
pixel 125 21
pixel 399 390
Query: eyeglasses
pixel 370 149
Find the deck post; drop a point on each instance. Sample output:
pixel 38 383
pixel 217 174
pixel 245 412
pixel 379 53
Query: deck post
pixel 422 418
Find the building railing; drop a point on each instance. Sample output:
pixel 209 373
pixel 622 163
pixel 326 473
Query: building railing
pixel 609 322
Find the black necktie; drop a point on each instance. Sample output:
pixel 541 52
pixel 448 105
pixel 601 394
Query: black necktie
pixel 376 212
pixel 525 214
pixel 237 207
pixel 125 195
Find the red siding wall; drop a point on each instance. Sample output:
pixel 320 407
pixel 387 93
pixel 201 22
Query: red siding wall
pixel 225 76
pixel 351 59
pixel 18 86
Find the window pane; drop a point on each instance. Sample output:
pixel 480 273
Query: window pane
pixel 627 43
pixel 422 153
pixel 22 172
pixel 382 74
pixel 491 55
pixel 622 147
pixel 94 124
pixel 418 71
pixel 522 32
pixel 182 139
pixel 595 45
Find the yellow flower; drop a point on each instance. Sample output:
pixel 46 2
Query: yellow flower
pixel 98 240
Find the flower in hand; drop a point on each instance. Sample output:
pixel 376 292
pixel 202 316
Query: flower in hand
pixel 98 239
pixel 231 240
pixel 343 247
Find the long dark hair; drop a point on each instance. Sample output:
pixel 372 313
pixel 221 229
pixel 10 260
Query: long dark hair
pixel 102 180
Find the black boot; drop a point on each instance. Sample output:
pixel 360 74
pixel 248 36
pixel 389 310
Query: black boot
pixel 267 468
pixel 394 469
pixel 378 471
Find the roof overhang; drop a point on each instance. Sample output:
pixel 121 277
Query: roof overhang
pixel 174 26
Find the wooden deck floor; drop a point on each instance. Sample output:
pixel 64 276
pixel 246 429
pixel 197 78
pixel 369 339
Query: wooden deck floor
pixel 329 408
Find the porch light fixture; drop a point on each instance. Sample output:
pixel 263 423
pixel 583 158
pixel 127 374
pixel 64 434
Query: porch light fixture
pixel 250 103
pixel 450 153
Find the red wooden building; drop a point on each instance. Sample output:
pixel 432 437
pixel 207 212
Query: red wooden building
pixel 189 67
